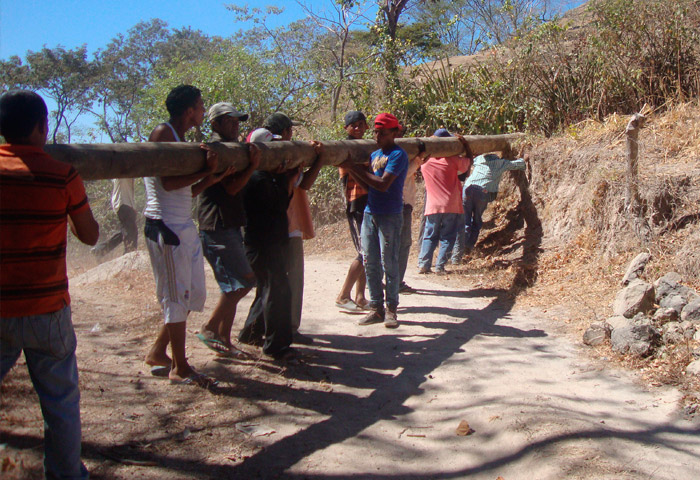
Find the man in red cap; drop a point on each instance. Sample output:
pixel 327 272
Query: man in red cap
pixel 381 226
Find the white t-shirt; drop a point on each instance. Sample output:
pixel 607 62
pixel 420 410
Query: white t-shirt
pixel 175 206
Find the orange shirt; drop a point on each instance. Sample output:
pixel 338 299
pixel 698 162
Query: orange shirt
pixel 299 214
pixel 36 195
pixel 353 190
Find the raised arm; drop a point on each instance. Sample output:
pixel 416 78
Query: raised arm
pixel 235 183
pixel 312 173
pixel 368 179
pixel 162 133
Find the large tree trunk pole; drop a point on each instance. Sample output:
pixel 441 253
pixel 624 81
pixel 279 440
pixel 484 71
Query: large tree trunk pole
pixel 131 160
pixel 632 200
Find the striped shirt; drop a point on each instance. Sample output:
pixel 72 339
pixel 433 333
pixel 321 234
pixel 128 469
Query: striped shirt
pixel 36 195
pixel 488 170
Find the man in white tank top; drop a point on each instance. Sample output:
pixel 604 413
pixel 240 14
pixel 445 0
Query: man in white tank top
pixel 173 241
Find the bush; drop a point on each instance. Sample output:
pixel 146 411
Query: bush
pixel 631 54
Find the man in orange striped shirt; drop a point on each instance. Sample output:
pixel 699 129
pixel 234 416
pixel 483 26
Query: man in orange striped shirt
pixel 38 197
pixel 356 201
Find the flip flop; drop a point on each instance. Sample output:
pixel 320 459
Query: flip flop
pixel 348 305
pixel 217 345
pixel 196 379
pixel 232 352
pixel 160 370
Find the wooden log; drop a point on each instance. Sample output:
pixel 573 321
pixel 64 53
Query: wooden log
pixel 632 199
pixel 131 160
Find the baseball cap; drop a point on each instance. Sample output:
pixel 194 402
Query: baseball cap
pixel 386 121
pixel 278 122
pixel 224 108
pixel 262 135
pixel 442 132
pixel 354 116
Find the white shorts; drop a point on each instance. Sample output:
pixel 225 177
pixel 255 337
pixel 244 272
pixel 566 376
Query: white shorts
pixel 179 273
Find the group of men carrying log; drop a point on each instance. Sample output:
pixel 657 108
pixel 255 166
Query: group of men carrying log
pixel 39 196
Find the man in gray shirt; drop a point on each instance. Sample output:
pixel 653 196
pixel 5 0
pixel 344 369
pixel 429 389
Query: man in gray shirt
pixel 481 188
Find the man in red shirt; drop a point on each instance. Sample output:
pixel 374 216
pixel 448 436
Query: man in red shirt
pixel 38 197
pixel 443 205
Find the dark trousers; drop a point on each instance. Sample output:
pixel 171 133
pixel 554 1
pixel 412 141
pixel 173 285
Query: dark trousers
pixel 475 200
pixel 270 314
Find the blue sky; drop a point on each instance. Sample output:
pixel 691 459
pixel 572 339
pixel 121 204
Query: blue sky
pixel 31 24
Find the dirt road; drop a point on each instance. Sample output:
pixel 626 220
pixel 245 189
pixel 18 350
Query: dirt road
pixel 366 402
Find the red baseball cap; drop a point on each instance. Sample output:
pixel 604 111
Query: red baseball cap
pixel 386 121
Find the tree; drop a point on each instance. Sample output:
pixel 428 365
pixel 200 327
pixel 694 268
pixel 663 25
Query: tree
pixel 125 68
pixel 288 51
pixel 66 77
pixel 466 26
pixel 13 74
pixel 332 51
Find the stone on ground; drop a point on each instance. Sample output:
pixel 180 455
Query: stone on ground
pixel 636 268
pixel 637 297
pixel 634 339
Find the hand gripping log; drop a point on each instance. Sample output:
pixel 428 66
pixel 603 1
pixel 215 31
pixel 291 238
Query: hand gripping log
pixel 131 160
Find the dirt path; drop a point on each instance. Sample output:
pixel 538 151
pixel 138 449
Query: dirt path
pixel 366 402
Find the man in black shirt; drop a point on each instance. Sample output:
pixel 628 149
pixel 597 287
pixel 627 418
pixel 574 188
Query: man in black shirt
pixel 266 199
pixel 221 216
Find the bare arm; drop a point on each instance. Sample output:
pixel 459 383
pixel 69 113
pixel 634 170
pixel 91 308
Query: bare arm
pixel 84 226
pixel 235 183
pixel 367 179
pixel 163 134
pixel 312 173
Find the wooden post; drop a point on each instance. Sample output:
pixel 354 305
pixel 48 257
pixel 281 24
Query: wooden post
pixel 131 160
pixel 632 200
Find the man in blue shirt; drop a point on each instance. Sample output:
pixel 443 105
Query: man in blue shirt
pixel 381 226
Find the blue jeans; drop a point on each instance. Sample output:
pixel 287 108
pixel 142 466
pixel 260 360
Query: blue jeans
pixel 48 342
pixel 381 237
pixel 442 228
pixel 475 200
pixel 458 249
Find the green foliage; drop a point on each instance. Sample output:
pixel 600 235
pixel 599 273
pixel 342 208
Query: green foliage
pixel 65 76
pixel 642 52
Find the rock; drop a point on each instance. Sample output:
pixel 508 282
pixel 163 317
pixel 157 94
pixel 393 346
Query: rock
pixel 673 333
pixel 596 334
pixel 689 329
pixel 691 312
pixel 641 319
pixel 618 321
pixel 637 297
pixel 696 337
pixel 636 268
pixel 693 368
pixel 635 339
pixel 676 302
pixel 667 284
pixel 128 262
pixel 665 315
